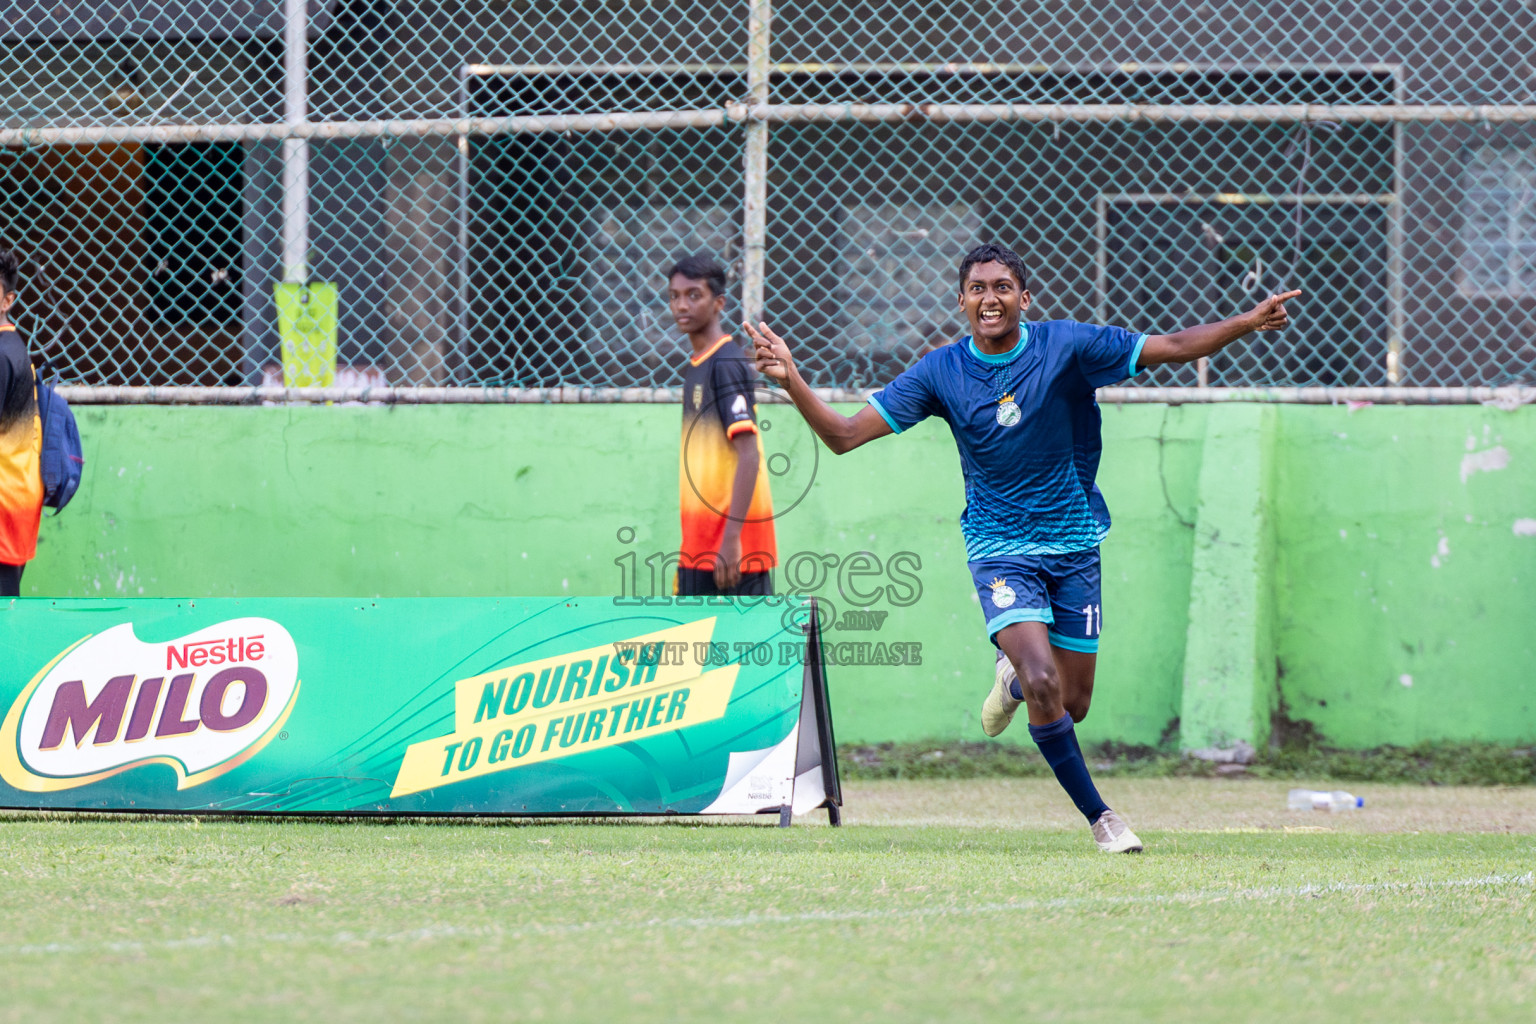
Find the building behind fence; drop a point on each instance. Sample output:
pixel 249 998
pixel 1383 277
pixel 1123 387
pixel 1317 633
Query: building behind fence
pixel 494 187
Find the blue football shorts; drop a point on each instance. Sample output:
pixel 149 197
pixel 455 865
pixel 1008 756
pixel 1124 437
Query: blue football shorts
pixel 1062 591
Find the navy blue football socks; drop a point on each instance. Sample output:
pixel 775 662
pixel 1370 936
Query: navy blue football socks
pixel 1058 744
pixel 1015 690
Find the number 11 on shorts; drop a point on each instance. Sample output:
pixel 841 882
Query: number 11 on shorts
pixel 1094 614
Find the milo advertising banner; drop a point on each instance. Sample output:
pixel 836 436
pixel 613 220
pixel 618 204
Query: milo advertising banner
pixel 416 706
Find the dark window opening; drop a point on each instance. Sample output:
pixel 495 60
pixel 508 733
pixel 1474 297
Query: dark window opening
pixel 193 232
pixel 908 197
pixel 1172 264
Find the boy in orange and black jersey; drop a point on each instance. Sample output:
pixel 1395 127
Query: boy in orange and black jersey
pixel 727 513
pixel 21 442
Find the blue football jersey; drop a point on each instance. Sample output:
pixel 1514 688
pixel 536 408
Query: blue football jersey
pixel 1028 430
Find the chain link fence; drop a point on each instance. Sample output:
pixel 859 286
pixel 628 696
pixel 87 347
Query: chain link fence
pixel 494 188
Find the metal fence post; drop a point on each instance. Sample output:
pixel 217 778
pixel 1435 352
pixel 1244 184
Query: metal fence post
pixel 295 150
pixel 754 228
pixel 458 371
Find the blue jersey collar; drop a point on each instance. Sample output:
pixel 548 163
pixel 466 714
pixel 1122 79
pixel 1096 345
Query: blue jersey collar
pixel 1006 357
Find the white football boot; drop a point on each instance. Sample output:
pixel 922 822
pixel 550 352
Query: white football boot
pixel 1113 835
pixel 997 710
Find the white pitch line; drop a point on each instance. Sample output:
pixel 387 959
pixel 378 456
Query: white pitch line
pixel 430 933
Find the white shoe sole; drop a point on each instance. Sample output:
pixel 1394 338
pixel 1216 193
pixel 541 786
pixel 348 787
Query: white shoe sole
pixel 1126 842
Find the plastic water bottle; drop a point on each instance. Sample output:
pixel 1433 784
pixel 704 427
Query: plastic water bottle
pixel 1323 800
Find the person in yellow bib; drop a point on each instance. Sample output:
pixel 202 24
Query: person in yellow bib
pixel 21 441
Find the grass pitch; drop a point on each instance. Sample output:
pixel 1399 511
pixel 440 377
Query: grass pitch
pixel 939 901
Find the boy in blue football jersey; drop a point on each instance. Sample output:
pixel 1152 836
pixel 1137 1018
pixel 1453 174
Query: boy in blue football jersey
pixel 1019 400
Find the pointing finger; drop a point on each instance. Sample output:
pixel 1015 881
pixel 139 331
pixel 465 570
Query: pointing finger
pixel 769 333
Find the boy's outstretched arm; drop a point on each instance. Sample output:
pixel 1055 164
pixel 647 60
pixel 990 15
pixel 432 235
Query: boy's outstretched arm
pixel 840 433
pixel 1196 342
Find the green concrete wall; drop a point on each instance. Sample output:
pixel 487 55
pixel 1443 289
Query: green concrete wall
pixel 1430 578
pixel 1407 567
pixel 1229 671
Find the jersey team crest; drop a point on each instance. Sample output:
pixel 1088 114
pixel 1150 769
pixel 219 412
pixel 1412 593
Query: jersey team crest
pixel 1008 412
pixel 1002 594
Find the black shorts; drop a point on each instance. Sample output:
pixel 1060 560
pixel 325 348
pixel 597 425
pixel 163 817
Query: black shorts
pixel 701 583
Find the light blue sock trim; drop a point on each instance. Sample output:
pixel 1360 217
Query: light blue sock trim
pixel 883 414
pixel 1013 615
pixel 1080 644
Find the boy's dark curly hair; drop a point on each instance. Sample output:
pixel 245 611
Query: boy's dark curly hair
pixel 10 271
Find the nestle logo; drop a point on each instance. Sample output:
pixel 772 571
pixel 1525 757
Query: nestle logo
pixel 197 653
